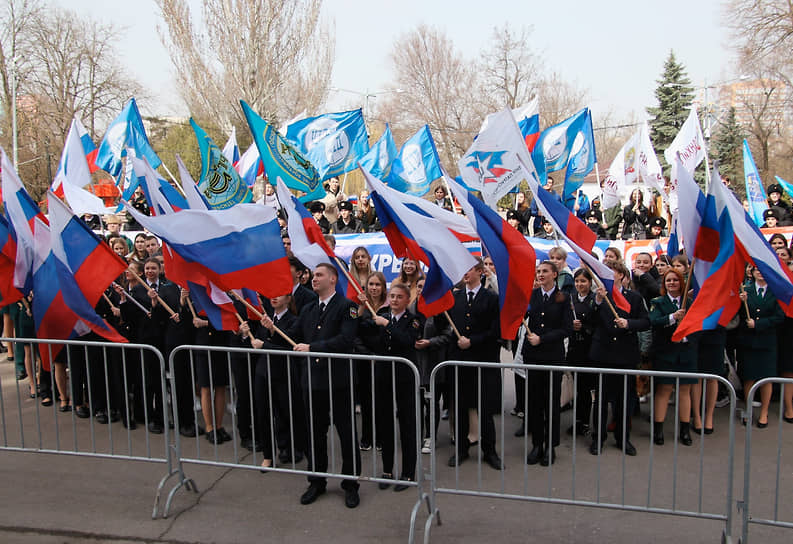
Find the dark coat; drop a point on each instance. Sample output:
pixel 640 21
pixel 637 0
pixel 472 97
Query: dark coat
pixel 581 340
pixel 615 347
pixel 552 321
pixel 333 331
pixel 302 296
pixel 666 353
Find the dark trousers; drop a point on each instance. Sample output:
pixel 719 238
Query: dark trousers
pixel 290 415
pixel 243 370
pixel 343 420
pixel 520 394
pixel 487 428
pixel 618 391
pixel 544 390
pixel 184 389
pixel 387 397
pixel 586 382
pixel 363 376
pixel 263 418
pixel 153 380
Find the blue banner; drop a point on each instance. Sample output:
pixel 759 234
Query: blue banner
pixel 416 165
pixel 755 193
pixel 125 132
pixel 333 142
pixel 219 182
pixel 282 160
pixel 582 161
pixel 555 144
pixel 379 158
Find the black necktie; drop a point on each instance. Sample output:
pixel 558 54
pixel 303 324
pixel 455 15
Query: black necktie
pixel 393 320
pixel 470 297
pixel 321 308
pixel 760 292
pixel 154 286
pixel 677 304
pixel 275 320
pixel 545 297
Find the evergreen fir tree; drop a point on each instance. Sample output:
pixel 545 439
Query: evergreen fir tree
pixel 728 149
pixel 675 95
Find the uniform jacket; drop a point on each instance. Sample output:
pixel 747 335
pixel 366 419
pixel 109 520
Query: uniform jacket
pixel 552 321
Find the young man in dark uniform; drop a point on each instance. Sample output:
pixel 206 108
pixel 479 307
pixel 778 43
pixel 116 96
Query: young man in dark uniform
pixel 327 325
pixel 475 314
pixel 346 223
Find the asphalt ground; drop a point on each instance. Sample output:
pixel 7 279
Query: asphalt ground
pixel 59 498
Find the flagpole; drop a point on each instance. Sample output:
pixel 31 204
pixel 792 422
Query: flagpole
pixel 178 186
pixel 261 316
pixel 355 285
pixel 112 307
pixel 132 299
pixel 192 310
pixel 344 184
pixel 450 194
pixel 688 282
pixel 601 284
pixel 707 174
pixel 149 289
pixel 454 327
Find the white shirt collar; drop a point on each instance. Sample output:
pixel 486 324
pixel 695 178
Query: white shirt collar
pixel 281 313
pixel 326 300
pixel 398 316
pixel 473 290
pixel 548 293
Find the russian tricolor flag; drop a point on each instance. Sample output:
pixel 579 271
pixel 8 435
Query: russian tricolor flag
pixel 580 238
pixel 215 305
pixel 308 242
pixel 512 255
pixel 417 236
pixel 233 248
pixel 8 250
pixel 250 165
pixel 231 150
pixel 160 194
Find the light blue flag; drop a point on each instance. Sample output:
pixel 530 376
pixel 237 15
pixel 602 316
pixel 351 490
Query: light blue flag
pixel 582 161
pixel 416 165
pixel 333 142
pixel 555 144
pixel 786 185
pixel 755 193
pixel 379 158
pixel 281 159
pixel 124 133
pixel 219 182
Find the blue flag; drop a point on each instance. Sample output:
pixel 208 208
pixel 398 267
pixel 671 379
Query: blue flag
pixel 416 165
pixel 555 144
pixel 379 158
pixel 333 142
pixel 755 193
pixel 282 160
pixel 582 161
pixel 219 182
pixel 125 132
pixel 786 185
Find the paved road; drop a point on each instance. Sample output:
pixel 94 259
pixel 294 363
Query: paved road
pixel 52 498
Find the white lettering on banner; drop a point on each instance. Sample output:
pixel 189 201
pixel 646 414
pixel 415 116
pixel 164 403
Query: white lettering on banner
pixel 318 129
pixel 337 148
pixel 413 164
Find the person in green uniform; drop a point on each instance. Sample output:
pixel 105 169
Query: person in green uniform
pixel 666 312
pixel 757 343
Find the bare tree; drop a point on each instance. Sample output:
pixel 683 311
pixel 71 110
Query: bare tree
pixel 510 69
pixel 439 88
pixel 559 98
pixel 277 56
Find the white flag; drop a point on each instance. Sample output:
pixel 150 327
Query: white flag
pixel 649 167
pixel 530 109
pixel 614 182
pixel 689 143
pixel 491 165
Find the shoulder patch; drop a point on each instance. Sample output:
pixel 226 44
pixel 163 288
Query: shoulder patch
pixel 415 324
pixel 353 312
pixel 652 306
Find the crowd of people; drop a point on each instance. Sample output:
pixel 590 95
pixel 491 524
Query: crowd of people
pixel 571 320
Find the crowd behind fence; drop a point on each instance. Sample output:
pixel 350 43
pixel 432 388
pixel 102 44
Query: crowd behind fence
pixel 280 412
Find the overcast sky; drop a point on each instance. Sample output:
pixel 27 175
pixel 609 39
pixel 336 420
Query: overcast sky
pixel 613 48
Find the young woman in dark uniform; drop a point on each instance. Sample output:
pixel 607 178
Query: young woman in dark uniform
pixel 665 314
pixel 550 321
pixel 757 342
pixel 584 323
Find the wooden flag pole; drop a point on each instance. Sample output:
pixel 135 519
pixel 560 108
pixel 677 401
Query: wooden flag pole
pixel 192 309
pixel 112 307
pixel 252 308
pixel 688 283
pixel 454 327
pixel 355 285
pixel 135 302
pixel 159 298
pixel 601 284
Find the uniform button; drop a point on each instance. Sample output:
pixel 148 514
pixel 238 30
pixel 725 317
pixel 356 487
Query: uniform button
pixel 319 326
pixel 467 315
pixel 542 325
pixel 614 339
pixel 467 328
pixel 542 313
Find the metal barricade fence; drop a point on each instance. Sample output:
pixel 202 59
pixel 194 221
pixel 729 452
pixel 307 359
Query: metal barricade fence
pixel 274 409
pixel 782 495
pixel 608 481
pixel 111 385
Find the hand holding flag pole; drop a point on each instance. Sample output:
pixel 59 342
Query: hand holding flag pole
pixel 745 304
pixel 601 284
pixel 688 283
pixel 112 306
pixel 454 327
pixel 132 299
pixel 260 315
pixel 355 285
pixel 192 309
pixel 159 298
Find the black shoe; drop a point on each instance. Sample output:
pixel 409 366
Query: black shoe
pixel 365 446
pixel 187 431
pixel 658 433
pixel 402 487
pixel 101 417
pixel 580 428
pixel 311 493
pixel 224 436
pixel 785 418
pixel 65 408
pixel 762 425
pixel 213 437
pixel 82 412
pixel 385 485
pixel 534 455
pixel 685 436
pixel 629 448
pixel 521 431
pixel 115 415
pixel 549 458
pixel 710 430
pixel 493 460
pixel 351 498
pixel 457 460
pixel 155 427
pixel 21 375
pixel 595 446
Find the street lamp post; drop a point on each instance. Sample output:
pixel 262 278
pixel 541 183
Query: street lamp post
pixel 14 108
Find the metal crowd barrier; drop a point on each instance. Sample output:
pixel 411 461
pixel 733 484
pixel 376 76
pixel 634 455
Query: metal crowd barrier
pixel 609 481
pixel 109 382
pixel 237 367
pixel 782 494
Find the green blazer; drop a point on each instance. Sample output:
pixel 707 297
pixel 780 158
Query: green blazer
pixel 664 350
pixel 767 315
